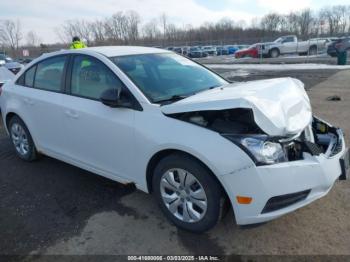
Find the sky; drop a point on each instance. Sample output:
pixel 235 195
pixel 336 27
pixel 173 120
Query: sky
pixel 45 16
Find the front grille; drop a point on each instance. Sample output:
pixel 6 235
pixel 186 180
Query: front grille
pixel 279 202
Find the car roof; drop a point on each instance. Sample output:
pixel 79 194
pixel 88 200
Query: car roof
pixel 111 51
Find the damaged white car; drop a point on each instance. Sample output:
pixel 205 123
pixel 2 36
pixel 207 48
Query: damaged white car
pixel 175 129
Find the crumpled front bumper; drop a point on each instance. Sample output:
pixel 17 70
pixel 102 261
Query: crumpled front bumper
pixel 299 182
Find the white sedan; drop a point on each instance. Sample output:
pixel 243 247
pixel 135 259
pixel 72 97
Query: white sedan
pixel 177 130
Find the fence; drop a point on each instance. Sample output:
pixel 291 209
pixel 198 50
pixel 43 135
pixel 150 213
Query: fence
pixel 263 50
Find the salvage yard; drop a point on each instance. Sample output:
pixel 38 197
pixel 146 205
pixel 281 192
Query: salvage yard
pixel 49 207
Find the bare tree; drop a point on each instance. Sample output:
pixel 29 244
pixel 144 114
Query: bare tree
pixel 10 33
pixel 150 30
pixel 134 20
pixel 164 22
pixel 304 22
pixel 125 28
pixel 336 18
pixel 272 22
pixel 32 39
pixel 98 31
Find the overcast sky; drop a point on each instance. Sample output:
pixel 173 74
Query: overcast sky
pixel 43 16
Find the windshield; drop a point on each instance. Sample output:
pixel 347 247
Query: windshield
pixel 164 76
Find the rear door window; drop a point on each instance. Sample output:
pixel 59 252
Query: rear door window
pixel 49 74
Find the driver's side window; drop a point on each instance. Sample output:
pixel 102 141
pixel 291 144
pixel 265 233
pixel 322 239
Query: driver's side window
pixel 90 78
pixel 288 40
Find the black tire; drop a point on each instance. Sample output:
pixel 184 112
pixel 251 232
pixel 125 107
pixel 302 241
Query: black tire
pixel 313 50
pixel 213 191
pixel 274 53
pixel 31 153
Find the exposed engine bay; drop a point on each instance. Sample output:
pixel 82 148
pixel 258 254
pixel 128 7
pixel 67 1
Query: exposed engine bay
pixel 230 121
pixel 317 138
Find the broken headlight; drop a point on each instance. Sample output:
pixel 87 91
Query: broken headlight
pixel 260 149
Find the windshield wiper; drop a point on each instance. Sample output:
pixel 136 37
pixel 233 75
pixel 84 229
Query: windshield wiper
pixel 175 98
pixel 204 90
pixel 171 99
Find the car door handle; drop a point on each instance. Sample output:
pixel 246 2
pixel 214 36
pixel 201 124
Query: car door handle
pixel 28 101
pixel 71 114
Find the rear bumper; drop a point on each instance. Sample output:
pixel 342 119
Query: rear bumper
pixel 282 188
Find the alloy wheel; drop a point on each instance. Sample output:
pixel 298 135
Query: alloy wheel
pixel 19 139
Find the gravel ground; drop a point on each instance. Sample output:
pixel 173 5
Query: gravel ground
pixel 49 207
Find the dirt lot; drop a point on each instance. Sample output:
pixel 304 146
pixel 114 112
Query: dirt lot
pixel 49 207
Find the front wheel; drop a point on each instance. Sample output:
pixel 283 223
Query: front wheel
pixel 274 53
pixel 22 140
pixel 187 193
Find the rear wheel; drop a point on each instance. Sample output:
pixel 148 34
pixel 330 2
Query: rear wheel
pixel 22 140
pixel 187 193
pixel 313 50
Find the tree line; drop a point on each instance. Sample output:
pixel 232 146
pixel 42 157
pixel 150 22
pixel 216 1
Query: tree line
pixel 128 27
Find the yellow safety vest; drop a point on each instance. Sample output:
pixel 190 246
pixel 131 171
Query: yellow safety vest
pixel 77 45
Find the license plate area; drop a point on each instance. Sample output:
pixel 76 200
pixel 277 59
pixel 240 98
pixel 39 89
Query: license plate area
pixel 344 164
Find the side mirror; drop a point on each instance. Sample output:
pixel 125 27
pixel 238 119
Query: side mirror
pixel 116 97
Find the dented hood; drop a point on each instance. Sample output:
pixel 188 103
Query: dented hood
pixel 280 106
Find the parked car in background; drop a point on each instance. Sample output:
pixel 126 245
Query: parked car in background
pixel 196 52
pixel 231 49
pixel 240 47
pixel 4 59
pixel 175 129
pixel 23 61
pixel 290 45
pixel 331 50
pixel 341 44
pixel 13 67
pixel 221 50
pixel 210 50
pixel 251 51
pixel 178 50
pixel 185 50
pixel 328 40
pixel 5 76
pixel 10 64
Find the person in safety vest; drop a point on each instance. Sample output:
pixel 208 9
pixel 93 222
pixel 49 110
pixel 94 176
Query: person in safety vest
pixel 77 43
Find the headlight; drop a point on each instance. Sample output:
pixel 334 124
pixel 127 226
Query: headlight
pixel 263 151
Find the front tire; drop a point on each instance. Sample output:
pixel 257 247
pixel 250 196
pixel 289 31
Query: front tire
pixel 22 140
pixel 274 53
pixel 187 193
